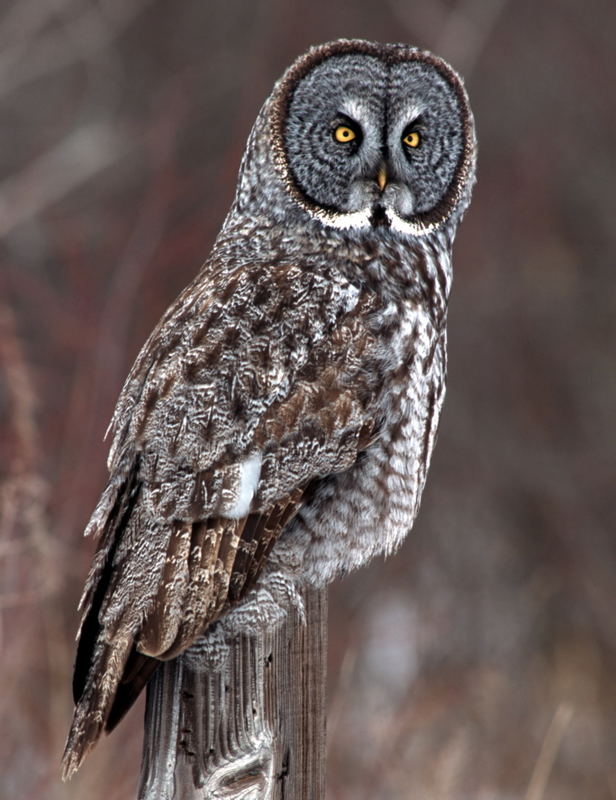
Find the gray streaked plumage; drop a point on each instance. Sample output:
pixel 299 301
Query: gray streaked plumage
pixel 278 424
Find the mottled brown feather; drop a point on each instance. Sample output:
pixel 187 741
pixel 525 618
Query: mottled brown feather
pixel 160 627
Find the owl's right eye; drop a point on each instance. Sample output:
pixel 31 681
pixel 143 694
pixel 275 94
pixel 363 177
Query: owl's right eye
pixel 344 133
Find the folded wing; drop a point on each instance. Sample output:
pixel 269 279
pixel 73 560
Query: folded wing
pixel 250 390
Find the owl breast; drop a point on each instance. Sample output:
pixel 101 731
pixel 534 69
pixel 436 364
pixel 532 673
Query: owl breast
pixel 369 509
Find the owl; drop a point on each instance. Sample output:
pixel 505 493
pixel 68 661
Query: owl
pixel 277 426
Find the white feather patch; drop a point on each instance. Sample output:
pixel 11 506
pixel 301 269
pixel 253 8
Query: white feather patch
pixel 362 220
pixel 353 219
pixel 412 228
pixel 250 472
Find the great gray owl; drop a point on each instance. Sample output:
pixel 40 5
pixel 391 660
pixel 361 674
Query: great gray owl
pixel 277 426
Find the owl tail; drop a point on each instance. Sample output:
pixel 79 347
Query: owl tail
pixel 95 704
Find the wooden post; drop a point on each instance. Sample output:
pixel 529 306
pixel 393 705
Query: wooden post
pixel 254 731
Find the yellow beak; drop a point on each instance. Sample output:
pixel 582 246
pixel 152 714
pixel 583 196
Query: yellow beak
pixel 381 178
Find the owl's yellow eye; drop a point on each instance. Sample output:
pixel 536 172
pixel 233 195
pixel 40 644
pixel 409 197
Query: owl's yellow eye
pixel 344 134
pixel 412 139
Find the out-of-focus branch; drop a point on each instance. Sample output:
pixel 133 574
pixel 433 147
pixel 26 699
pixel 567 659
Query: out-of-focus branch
pixel 78 36
pixel 22 490
pixel 467 30
pixel 60 170
pixel 549 750
pixel 459 34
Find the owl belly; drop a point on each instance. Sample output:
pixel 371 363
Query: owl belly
pixel 369 509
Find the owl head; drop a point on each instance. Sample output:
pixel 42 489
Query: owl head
pixel 364 136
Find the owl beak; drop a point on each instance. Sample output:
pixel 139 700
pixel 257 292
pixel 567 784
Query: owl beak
pixel 381 177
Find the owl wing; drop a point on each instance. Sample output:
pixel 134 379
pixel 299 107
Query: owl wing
pixel 253 386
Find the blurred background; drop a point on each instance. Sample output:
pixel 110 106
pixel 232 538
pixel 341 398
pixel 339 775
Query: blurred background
pixel 479 661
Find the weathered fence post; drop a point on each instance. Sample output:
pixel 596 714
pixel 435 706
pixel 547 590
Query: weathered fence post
pixel 255 731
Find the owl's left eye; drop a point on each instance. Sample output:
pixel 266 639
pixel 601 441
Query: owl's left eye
pixel 412 139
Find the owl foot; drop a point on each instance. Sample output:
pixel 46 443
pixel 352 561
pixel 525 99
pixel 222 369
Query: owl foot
pixel 263 610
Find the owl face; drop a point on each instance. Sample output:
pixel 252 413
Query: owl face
pixel 375 136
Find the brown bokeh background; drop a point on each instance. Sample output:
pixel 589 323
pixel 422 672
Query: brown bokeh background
pixel 478 662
